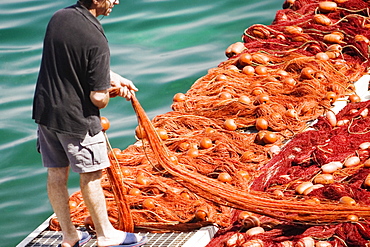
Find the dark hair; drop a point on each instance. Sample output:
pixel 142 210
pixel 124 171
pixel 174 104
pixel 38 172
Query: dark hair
pixel 86 3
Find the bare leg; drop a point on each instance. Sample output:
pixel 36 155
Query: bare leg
pixel 94 198
pixel 59 199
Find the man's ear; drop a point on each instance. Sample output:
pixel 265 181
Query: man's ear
pixel 95 2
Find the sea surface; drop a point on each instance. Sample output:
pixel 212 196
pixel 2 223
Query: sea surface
pixel 163 46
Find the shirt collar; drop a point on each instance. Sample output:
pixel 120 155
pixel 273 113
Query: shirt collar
pixel 87 14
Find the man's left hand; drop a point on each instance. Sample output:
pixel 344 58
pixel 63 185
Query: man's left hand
pixel 121 86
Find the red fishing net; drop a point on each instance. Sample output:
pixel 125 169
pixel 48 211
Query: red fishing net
pixel 236 151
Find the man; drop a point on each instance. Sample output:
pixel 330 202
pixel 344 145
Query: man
pixel 74 83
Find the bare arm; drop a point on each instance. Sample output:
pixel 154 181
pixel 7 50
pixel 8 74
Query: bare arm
pixel 100 98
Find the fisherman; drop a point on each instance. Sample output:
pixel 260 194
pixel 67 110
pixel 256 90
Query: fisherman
pixel 74 83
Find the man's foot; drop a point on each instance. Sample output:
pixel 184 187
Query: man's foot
pixel 127 239
pixel 84 238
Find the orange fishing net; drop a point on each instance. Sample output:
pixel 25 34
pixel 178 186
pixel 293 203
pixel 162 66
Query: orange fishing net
pixel 221 156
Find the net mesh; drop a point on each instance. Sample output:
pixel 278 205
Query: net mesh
pixel 211 161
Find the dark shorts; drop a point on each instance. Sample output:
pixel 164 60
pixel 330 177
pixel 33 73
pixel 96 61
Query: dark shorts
pixel 61 150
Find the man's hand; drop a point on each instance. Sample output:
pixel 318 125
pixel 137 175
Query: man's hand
pixel 121 86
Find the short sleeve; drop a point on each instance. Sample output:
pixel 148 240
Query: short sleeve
pixel 99 71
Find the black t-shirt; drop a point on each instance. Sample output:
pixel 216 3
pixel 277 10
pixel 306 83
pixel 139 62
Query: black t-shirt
pixel 75 61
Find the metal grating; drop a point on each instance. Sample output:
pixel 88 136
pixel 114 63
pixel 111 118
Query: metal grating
pixel 42 237
pixel 167 239
pixel 53 238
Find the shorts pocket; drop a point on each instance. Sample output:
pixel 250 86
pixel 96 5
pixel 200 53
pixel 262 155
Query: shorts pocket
pixel 94 150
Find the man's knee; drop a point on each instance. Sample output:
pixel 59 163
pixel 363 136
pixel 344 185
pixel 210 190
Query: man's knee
pixel 90 176
pixel 58 174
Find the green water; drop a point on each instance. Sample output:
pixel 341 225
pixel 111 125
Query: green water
pixel 163 46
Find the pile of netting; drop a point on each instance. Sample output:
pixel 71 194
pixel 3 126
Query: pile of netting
pixel 326 164
pixel 241 149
